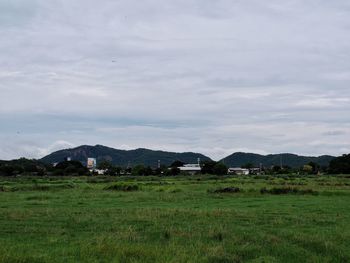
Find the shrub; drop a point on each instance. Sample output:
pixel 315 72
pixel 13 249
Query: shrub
pixel 231 189
pixel 38 187
pixel 287 190
pixel 122 187
pixel 174 190
pixel 166 234
pixel 218 236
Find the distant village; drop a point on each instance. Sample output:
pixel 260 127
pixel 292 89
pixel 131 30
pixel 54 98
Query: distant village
pixel 93 166
pixel 176 168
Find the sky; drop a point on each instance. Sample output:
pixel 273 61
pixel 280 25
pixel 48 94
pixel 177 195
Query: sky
pixel 205 76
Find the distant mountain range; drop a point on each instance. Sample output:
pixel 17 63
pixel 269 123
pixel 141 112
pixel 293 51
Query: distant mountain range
pixel 151 157
pixel 238 159
pixel 123 157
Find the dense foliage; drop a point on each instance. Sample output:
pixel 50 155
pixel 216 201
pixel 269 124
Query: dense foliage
pixel 292 160
pixel 212 167
pixel 22 166
pixel 69 168
pixel 340 165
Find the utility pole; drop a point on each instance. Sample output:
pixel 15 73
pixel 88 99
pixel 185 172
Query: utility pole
pixel 260 168
pixel 281 162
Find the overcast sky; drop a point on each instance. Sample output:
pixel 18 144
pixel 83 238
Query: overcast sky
pixel 187 75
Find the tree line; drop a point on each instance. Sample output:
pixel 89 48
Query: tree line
pixel 339 165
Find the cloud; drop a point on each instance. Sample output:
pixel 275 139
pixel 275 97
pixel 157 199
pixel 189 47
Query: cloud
pixel 322 102
pixel 206 76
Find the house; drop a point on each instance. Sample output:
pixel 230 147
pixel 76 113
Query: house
pixel 191 168
pixel 255 171
pixel 100 171
pixel 97 171
pixel 238 171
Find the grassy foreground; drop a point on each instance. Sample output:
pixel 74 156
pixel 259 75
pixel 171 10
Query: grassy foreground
pixel 187 219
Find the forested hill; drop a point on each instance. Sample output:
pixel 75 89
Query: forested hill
pixel 123 157
pixel 239 159
pixel 151 157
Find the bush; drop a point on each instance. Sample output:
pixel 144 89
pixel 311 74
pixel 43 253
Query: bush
pixel 166 234
pixel 174 190
pixel 37 187
pixel 287 190
pixel 218 236
pixel 122 187
pixel 225 190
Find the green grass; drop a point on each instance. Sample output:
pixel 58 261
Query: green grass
pixel 96 219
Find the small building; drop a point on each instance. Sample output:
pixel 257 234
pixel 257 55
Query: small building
pixel 255 171
pixel 191 168
pixel 238 171
pixel 99 171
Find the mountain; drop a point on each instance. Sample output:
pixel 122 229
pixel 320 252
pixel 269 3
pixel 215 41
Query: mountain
pixel 239 159
pixel 123 157
pixel 151 157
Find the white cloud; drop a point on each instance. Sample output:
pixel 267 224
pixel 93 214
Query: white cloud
pixel 323 102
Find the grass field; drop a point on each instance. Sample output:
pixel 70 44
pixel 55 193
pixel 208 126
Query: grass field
pixel 186 219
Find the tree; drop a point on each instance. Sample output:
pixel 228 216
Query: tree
pixel 114 170
pixel 173 171
pixel 6 170
pixel 276 169
pixel 315 167
pixel 177 163
pixel 220 169
pixel 307 169
pixel 109 168
pixel 212 167
pixel 22 166
pixel 30 168
pixel 142 170
pixel 138 170
pixel 104 165
pixel 162 170
pixel 340 165
pixel 148 171
pixel 69 168
pixel 208 167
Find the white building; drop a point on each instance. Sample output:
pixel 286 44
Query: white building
pixel 238 171
pixel 99 171
pixel 191 168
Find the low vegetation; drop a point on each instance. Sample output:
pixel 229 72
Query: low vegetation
pixel 175 219
pixel 230 189
pixel 287 190
pixel 122 187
